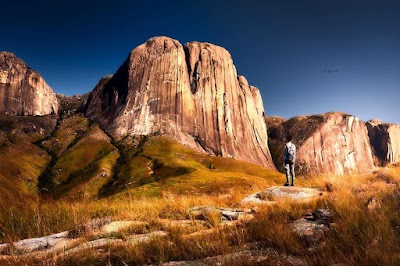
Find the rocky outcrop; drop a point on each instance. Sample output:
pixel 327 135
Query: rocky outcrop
pixel 69 105
pixel 272 194
pixel 190 93
pixel 314 228
pixel 385 141
pixel 253 254
pixel 218 213
pixel 273 122
pixel 22 90
pixel 334 143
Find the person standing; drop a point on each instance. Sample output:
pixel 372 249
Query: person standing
pixel 289 161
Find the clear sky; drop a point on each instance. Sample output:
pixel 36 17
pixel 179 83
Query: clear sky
pixel 305 56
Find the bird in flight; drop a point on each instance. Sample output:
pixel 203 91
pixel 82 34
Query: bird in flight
pixel 329 71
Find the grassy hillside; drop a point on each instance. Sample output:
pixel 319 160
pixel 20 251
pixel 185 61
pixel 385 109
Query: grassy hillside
pixel 17 129
pixel 87 164
pixel 68 131
pixel 83 159
pixel 155 165
pixel 20 167
pixel 87 168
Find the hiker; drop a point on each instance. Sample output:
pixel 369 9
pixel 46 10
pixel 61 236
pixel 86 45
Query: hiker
pixel 289 160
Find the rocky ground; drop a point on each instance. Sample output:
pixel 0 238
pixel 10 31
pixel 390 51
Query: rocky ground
pixel 101 233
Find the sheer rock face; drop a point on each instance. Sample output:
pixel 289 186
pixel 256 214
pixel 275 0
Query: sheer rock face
pixel 191 93
pixel 22 90
pixel 385 141
pixel 334 143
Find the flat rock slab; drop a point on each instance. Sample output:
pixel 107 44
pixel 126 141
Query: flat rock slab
pixel 34 244
pixel 103 242
pixel 117 226
pixel 272 194
pixel 249 257
pixel 226 214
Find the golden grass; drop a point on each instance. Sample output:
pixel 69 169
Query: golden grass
pixel 358 236
pixel 361 235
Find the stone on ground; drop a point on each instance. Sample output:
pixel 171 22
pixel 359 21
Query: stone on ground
pixel 313 229
pixel 272 194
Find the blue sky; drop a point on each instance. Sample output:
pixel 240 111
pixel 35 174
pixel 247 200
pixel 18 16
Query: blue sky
pixel 305 56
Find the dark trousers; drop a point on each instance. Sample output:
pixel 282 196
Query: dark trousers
pixel 290 172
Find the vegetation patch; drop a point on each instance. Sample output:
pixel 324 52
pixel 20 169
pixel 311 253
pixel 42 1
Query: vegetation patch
pixel 22 164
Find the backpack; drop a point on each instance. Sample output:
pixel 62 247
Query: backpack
pixel 289 154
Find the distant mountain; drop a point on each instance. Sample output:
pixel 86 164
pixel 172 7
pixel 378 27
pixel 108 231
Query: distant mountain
pixel 335 143
pixel 190 93
pixel 22 90
pixel 69 105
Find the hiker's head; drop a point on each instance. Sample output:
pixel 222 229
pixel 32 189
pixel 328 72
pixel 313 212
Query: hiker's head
pixel 289 138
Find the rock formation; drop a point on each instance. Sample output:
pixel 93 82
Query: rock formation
pixel 22 90
pixel 334 143
pixel 191 93
pixel 385 141
pixel 273 122
pixel 272 194
pixel 314 228
pixel 69 105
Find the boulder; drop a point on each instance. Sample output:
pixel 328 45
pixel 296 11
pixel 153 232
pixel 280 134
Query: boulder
pixel 23 91
pixel 116 226
pixel 373 204
pixel 272 194
pixel 218 214
pixel 190 93
pixel 313 229
pixel 34 244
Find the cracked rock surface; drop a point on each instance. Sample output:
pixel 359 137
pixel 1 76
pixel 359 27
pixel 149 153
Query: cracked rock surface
pixel 191 93
pixel 23 91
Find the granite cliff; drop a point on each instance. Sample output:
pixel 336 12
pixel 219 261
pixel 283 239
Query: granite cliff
pixel 335 143
pixel 385 141
pixel 22 90
pixel 191 93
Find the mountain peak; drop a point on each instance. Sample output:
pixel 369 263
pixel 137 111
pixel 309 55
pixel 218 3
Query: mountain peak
pixel 190 93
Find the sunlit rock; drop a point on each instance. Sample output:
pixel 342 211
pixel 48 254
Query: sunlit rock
pixel 22 90
pixel 190 93
pixel 335 143
pixel 385 141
